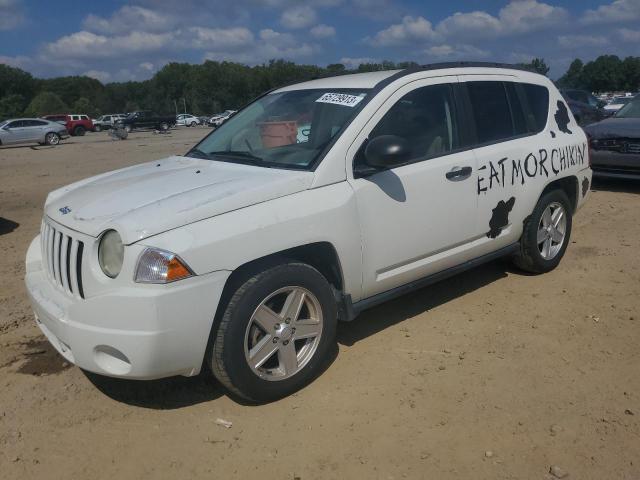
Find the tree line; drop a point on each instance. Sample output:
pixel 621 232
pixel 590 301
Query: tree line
pixel 212 86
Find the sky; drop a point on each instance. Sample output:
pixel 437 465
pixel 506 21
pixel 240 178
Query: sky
pixel 114 40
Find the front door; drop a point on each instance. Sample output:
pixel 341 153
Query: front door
pixel 418 218
pixel 15 132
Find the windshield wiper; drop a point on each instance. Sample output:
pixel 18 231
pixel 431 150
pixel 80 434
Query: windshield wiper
pixel 238 153
pixel 197 153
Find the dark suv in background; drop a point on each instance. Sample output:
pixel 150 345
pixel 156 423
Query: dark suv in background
pixel 586 108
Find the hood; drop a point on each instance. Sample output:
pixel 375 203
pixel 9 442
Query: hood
pixel 615 127
pixel 154 197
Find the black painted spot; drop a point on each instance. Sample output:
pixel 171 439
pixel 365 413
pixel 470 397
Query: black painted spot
pixel 562 117
pixel 585 186
pixel 500 217
pixel 553 134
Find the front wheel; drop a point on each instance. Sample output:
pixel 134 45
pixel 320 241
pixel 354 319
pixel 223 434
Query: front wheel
pixel 52 139
pixel 127 128
pixel 276 332
pixel 546 234
pixel 98 128
pixel 164 126
pixel 192 124
pixel 79 131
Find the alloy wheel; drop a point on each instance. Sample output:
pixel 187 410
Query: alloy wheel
pixel 552 231
pixel 283 333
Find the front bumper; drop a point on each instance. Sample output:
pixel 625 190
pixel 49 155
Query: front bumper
pixel 138 332
pixel 608 164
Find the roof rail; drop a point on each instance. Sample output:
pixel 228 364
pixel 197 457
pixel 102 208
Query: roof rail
pixel 443 65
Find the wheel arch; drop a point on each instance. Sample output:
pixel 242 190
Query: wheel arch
pixel 569 185
pixel 320 255
pixel 323 256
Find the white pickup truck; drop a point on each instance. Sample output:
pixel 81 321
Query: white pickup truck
pixel 310 205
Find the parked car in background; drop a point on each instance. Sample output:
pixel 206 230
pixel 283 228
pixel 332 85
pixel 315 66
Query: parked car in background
pixel 105 122
pixel 76 124
pixel 615 143
pixel 220 118
pixel 585 107
pixel 582 96
pixel 241 256
pixel 616 104
pixel 147 119
pixel 585 113
pixel 187 120
pixel 31 130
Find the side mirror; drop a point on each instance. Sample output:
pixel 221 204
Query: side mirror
pixel 387 151
pixel 6 127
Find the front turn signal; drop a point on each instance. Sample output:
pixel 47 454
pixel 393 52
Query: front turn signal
pixel 159 266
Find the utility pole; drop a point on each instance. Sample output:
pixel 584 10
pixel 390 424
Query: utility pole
pixel 184 102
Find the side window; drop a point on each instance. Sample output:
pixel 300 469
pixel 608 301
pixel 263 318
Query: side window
pixel 424 117
pixel 491 111
pixel 16 124
pixel 537 98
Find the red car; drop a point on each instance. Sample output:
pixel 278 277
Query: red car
pixel 76 124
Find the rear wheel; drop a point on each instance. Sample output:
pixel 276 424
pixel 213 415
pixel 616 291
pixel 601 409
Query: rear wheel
pixel 546 234
pixel 276 332
pixel 79 131
pixel 127 128
pixel 193 124
pixel 52 138
pixel 98 128
pixel 164 126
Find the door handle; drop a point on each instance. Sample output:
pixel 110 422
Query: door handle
pixel 459 173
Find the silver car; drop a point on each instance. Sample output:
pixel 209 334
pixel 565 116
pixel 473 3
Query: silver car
pixel 31 130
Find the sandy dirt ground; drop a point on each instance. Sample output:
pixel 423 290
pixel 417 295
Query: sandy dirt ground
pixel 490 375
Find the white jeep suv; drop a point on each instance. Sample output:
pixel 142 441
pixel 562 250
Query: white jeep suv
pixel 310 205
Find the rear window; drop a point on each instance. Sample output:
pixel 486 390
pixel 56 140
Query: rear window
pixel 537 98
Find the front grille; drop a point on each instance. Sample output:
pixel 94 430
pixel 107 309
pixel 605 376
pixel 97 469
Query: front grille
pixel 620 145
pixel 633 147
pixel 62 259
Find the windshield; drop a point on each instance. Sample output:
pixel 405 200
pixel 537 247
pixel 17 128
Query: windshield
pixel 630 110
pixel 282 130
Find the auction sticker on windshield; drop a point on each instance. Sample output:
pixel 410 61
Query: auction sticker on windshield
pixel 340 99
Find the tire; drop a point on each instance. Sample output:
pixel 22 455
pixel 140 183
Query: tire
pixel 98 128
pixel 533 255
pixel 128 128
pixel 239 333
pixel 192 124
pixel 164 126
pixel 79 131
pixel 52 138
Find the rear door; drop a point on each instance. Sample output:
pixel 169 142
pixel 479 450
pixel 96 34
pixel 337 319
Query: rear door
pixel 33 130
pixel 418 218
pixel 509 159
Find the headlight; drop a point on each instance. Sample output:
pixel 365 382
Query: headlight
pixel 111 253
pixel 159 266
